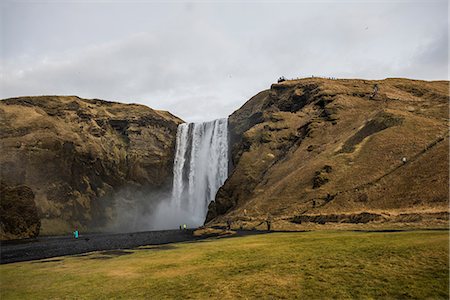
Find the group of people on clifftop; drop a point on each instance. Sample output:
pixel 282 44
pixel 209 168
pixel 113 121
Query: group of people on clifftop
pixel 282 78
pixel 374 93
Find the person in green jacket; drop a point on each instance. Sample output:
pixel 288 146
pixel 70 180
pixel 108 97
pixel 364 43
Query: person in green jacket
pixel 76 233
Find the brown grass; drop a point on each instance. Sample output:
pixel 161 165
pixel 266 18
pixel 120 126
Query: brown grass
pixel 370 178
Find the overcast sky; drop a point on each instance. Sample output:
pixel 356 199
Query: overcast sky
pixel 203 60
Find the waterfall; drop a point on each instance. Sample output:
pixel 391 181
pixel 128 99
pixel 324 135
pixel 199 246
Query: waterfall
pixel 200 168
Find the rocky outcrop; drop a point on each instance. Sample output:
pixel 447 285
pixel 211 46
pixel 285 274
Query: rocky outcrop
pixel 76 154
pixel 18 211
pixel 321 147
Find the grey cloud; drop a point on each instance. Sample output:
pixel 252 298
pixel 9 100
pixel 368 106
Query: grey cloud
pixel 431 59
pixel 203 60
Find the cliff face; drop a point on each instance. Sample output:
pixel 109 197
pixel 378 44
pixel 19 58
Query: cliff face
pixel 74 154
pixel 19 214
pixel 319 150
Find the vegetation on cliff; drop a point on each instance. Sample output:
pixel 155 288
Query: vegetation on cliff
pixel 307 151
pixel 318 150
pixel 76 155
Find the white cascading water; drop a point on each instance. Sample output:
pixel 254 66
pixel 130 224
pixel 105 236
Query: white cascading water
pixel 200 169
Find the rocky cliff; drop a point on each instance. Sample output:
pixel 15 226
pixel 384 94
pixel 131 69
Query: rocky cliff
pixel 73 156
pixel 338 151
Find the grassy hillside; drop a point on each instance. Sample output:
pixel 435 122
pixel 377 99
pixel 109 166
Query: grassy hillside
pixel 309 265
pixel 330 150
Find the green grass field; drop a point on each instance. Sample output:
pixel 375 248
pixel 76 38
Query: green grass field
pixel 309 265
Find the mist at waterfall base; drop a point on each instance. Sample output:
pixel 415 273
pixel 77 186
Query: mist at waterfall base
pixel 200 168
pixel 133 209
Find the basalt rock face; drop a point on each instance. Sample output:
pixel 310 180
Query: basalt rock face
pixel 321 147
pixel 75 154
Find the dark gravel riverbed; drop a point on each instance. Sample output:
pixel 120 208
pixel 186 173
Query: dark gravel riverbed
pixel 53 246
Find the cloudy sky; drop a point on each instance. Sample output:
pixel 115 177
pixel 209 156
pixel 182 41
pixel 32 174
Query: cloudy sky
pixel 202 60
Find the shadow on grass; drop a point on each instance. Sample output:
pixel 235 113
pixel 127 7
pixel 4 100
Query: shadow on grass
pixel 46 261
pixel 157 248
